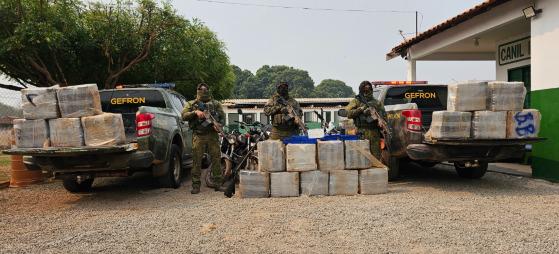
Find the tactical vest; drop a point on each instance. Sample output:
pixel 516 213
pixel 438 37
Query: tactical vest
pixel 197 125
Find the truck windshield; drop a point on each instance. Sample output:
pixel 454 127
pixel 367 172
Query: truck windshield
pixel 428 99
pixel 127 102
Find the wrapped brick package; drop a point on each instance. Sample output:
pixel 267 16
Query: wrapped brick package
pixel 357 154
pixel 301 157
pixel 31 133
pixel 79 101
pixel 373 181
pixel 489 125
pixel 503 96
pixel 343 182
pixel 284 184
pixel 39 103
pixel 314 183
pixel 271 156
pixel 66 132
pixel 467 96
pixel 103 130
pixel 523 124
pixel 447 124
pixel 254 184
pixel 331 155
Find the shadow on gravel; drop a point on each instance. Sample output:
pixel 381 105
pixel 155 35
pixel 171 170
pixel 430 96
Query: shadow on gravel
pixel 444 178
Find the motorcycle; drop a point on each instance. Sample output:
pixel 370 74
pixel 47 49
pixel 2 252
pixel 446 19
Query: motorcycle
pixel 238 151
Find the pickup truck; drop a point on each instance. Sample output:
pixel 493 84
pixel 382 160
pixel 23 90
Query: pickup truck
pixel 157 141
pixel 409 111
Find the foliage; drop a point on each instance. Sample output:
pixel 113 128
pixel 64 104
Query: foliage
pixel 47 42
pixel 188 54
pixel 330 88
pixel 244 82
pixel 7 110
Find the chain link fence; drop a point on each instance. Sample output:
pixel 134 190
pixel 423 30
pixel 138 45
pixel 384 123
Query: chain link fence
pixel 10 108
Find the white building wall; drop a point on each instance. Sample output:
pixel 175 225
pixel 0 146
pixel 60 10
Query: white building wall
pixel 545 41
pixel 502 70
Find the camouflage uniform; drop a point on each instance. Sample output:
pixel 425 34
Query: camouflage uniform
pixel 204 138
pixel 366 126
pixel 282 127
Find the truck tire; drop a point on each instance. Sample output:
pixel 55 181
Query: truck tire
pixel 72 184
pixel 174 173
pixel 392 163
pixel 427 164
pixel 472 172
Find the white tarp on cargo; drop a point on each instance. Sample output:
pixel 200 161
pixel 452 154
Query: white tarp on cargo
pixel 66 132
pixel 357 154
pixel 489 125
pixel 271 156
pixel 79 101
pixel 314 183
pixel 331 155
pixel 343 182
pixel 254 184
pixel 301 157
pixel 39 103
pixel 523 124
pixel 503 96
pixel 470 96
pixel 31 133
pixel 373 181
pixel 103 130
pixel 447 124
pixel 284 184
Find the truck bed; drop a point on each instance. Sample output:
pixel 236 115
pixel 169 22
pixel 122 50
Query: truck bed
pixel 70 151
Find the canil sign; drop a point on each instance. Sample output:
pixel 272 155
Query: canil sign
pixel 514 51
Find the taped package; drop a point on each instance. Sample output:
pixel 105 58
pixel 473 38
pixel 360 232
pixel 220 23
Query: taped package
pixel 39 103
pixel 66 132
pixel 373 181
pixel 357 154
pixel 523 124
pixel 399 107
pixel 447 124
pixel 314 183
pixel 467 96
pixel 343 182
pixel 103 130
pixel 489 125
pixel 271 156
pixel 284 184
pixel 506 96
pixel 254 184
pixel 31 133
pixel 301 157
pixel 331 155
pixel 79 101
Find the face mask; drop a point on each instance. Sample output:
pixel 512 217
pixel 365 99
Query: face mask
pixel 283 91
pixel 203 95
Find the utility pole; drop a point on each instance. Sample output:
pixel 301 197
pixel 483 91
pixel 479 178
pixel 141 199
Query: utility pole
pixel 416 30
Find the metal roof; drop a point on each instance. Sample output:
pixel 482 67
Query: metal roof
pixel 300 100
pixel 481 8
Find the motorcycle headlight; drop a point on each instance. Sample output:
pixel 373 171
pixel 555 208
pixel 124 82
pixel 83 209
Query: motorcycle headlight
pixel 231 139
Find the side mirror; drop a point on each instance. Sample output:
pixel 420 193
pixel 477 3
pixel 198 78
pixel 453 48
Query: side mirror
pixel 342 113
pixel 239 111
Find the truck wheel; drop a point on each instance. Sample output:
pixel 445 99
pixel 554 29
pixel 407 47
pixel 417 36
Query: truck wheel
pixel 392 163
pixel 75 185
pixel 174 173
pixel 471 172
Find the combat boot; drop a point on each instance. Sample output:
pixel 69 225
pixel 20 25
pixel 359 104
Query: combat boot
pixel 220 187
pixel 195 189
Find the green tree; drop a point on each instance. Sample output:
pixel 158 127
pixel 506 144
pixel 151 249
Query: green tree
pixel 244 81
pixel 331 88
pixel 301 84
pixel 47 42
pixel 187 54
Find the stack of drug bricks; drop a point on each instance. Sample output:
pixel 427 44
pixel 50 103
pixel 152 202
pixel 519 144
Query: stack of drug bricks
pixel 321 169
pixel 485 110
pixel 66 117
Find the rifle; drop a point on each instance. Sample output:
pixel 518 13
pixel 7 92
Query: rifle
pixel 209 119
pixel 291 114
pixel 384 129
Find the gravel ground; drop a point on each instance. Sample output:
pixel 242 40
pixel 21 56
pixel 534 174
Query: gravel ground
pixel 428 211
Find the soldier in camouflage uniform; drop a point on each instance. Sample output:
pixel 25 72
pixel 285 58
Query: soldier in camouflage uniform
pixel 359 112
pixel 283 126
pixel 205 137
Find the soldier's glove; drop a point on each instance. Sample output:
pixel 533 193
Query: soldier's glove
pixel 284 110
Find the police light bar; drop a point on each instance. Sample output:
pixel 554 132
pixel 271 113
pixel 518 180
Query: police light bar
pixel 156 85
pixel 391 83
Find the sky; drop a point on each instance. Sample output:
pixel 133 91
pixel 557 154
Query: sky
pixel 345 45
pixel 349 46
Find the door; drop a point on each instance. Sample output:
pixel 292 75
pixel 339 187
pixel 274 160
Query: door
pixel 185 128
pixel 522 74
